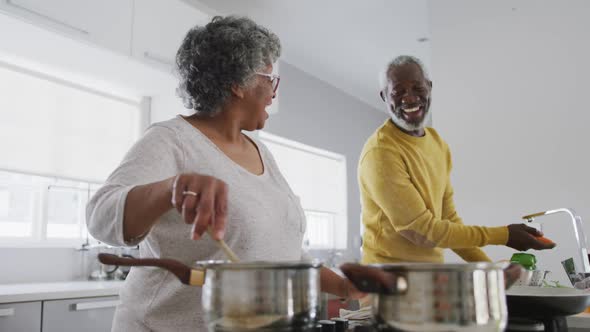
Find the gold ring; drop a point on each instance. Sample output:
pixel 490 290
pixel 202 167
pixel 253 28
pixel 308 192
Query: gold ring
pixel 188 192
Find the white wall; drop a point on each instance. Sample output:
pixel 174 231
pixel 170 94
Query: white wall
pixel 21 265
pixel 510 85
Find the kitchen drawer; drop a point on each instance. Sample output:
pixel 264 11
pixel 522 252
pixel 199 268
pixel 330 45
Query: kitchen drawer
pixel 93 314
pixel 20 317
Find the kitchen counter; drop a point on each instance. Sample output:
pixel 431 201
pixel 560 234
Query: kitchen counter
pixel 57 290
pixel 10 293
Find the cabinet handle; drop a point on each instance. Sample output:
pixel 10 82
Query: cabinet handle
pixel 46 17
pixel 158 58
pixel 96 305
pixel 7 312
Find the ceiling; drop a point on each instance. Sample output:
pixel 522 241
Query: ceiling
pixel 344 43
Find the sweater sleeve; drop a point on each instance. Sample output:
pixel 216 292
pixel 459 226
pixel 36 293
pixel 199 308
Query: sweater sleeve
pixel 156 156
pixel 385 178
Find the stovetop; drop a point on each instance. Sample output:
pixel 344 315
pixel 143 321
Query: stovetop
pixel 514 324
pixel 372 328
pixel 558 324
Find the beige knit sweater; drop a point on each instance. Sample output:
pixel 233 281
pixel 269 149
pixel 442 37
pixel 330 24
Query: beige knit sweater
pixel 265 222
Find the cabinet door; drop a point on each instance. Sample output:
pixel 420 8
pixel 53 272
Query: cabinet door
pixel 20 317
pixel 73 315
pixel 105 22
pixel 159 26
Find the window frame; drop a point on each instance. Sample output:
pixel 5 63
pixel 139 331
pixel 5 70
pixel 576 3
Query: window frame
pixel 40 220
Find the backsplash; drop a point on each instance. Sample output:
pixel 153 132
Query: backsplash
pixel 24 265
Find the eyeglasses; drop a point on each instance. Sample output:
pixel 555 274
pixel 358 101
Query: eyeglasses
pixel 274 80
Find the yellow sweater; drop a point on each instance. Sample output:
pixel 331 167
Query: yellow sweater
pixel 407 202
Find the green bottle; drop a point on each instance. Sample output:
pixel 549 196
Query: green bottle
pixel 527 261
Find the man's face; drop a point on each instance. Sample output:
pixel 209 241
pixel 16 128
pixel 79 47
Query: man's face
pixel 407 96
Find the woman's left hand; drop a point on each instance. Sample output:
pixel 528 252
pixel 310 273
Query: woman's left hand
pixel 340 286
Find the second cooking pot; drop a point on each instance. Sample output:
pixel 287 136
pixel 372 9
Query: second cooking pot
pixel 434 297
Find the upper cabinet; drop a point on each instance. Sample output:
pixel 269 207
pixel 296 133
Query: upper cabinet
pixel 106 22
pixel 149 31
pixel 159 26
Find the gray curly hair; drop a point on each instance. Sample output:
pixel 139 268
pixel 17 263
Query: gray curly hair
pixel 398 62
pixel 213 58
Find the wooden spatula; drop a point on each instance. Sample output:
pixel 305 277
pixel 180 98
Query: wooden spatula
pixel 225 248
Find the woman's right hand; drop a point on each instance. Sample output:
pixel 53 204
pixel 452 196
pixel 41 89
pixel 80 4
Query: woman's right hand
pixel 522 237
pixel 202 202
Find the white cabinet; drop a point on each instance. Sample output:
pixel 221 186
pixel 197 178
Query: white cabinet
pixel 20 317
pixel 106 22
pixel 73 315
pixel 94 314
pixel 159 26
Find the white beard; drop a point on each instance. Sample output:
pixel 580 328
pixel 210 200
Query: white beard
pixel 402 123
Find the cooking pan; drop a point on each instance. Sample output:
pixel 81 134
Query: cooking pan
pixel 253 296
pixel 544 302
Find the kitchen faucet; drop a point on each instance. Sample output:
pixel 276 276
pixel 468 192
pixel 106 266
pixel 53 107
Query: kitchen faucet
pixel 578 230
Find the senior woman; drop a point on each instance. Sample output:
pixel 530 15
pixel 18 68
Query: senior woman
pixel 194 172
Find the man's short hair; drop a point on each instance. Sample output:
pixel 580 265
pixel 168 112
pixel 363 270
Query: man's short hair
pixel 398 62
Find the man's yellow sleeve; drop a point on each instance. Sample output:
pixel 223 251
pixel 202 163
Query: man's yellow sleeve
pixel 385 178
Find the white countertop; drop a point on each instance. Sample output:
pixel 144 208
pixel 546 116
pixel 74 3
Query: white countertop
pixel 57 290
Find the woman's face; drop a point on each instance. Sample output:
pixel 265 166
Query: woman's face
pixel 257 99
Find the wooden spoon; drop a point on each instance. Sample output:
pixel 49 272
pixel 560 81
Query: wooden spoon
pixel 225 248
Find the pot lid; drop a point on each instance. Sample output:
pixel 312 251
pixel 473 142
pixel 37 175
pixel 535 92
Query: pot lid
pixel 441 267
pixel 259 265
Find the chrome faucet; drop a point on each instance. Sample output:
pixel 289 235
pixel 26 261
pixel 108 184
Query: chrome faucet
pixel 578 230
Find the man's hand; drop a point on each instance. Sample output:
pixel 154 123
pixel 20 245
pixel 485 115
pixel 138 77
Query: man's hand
pixel 522 237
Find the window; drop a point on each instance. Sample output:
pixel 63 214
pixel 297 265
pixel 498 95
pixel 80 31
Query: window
pixel 58 142
pixel 35 209
pixel 318 177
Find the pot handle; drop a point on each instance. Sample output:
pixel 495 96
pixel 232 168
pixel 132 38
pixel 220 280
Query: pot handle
pixel 369 279
pixel 186 275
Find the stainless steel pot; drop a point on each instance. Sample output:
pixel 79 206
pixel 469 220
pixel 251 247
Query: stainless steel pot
pixel 434 297
pixel 253 296
pixel 261 296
